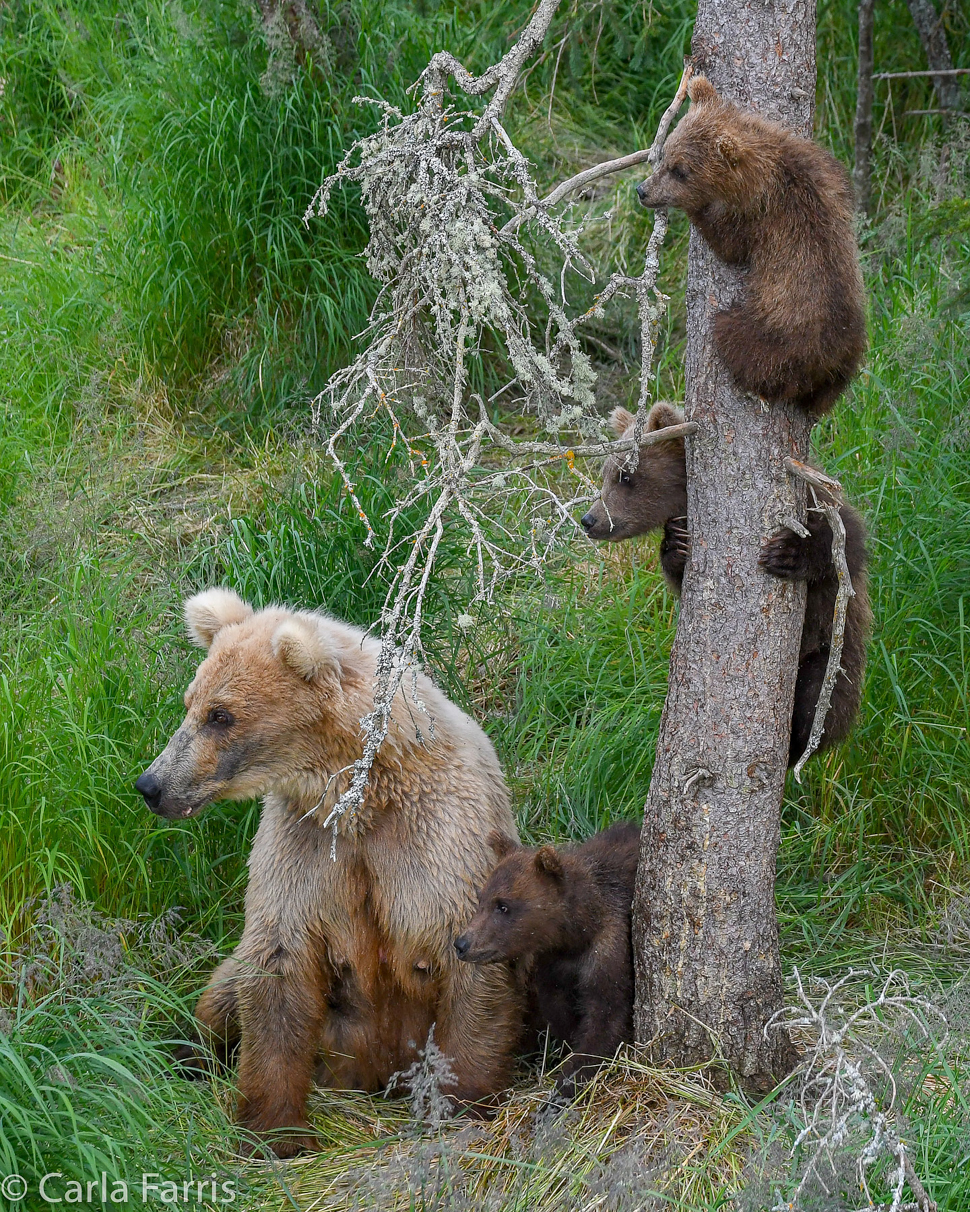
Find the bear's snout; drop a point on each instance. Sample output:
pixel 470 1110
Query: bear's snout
pixel 647 191
pixel 462 946
pixel 597 524
pixel 151 789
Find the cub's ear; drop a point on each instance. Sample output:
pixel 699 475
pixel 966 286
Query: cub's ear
pixel 501 844
pixel 549 863
pixel 208 612
pixel 663 415
pixel 701 91
pixel 298 643
pixel 729 149
pixel 620 421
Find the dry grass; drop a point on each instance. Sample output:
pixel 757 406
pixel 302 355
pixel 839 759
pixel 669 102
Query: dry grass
pixel 636 1131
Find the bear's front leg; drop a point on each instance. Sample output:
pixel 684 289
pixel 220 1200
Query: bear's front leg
pixel 605 1003
pixel 281 1011
pixel 675 552
pixel 793 557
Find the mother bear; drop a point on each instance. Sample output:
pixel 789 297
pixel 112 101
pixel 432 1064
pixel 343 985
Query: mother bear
pixel 347 958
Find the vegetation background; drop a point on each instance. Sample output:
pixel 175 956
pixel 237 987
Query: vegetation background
pixel 166 318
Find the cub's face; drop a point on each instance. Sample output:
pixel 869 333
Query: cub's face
pixel 683 179
pixel 640 499
pixel 519 910
pixel 251 709
pixel 701 159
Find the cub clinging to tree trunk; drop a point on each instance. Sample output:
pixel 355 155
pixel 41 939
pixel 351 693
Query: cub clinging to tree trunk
pixel 347 958
pixel 782 206
pixel 654 495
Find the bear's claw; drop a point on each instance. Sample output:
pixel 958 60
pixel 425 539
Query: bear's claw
pixel 783 555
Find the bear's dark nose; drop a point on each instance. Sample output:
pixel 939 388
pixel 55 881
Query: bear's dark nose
pixel 461 946
pixel 642 191
pixel 587 521
pixel 150 788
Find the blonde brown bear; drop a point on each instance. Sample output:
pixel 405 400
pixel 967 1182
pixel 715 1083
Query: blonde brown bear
pixel 346 961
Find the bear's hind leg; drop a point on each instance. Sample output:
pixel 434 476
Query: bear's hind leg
pixel 606 1008
pixel 217 1024
pixel 811 672
pixel 763 362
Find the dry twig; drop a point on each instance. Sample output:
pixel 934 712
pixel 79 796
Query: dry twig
pixel 818 482
pixel 837 1099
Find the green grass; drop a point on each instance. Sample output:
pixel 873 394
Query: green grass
pixel 165 319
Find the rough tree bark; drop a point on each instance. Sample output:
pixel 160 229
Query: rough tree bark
pixel 862 172
pixel 705 927
pixel 929 25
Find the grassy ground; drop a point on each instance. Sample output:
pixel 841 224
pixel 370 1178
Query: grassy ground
pixel 165 319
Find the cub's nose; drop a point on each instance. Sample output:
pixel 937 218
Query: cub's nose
pixel 150 788
pixel 461 946
pixel 587 521
pixel 642 191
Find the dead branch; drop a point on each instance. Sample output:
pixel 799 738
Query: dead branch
pixel 447 194
pixel 647 156
pixel 814 477
pixel 836 1098
pixel 953 71
pixel 830 508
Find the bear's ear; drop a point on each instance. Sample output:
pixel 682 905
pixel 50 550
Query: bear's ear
pixel 208 612
pixel 501 844
pixel 298 643
pixel 662 415
pixel 620 421
pixel 701 91
pixel 549 863
pixel 729 149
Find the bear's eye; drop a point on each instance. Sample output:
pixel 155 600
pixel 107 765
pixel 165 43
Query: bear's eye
pixel 626 479
pixel 220 717
pixel 677 171
pixel 501 907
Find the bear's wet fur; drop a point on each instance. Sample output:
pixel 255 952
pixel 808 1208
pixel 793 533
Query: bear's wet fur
pixel 561 919
pixel 654 497
pixel 347 954
pixel 783 207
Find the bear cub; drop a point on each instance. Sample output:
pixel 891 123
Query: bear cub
pixel 783 207
pixel 561 918
pixel 654 496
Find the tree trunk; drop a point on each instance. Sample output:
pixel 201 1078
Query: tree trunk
pixel 933 36
pixel 705 928
pixel 862 173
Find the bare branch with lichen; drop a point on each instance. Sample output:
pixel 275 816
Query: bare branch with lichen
pixel 455 218
pixel 838 1101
